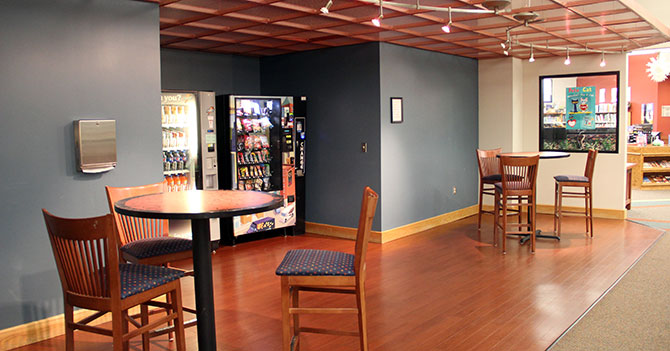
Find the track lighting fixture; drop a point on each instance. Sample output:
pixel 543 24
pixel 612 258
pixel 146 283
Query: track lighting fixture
pixel 326 8
pixel 602 61
pixel 532 56
pixel 447 28
pixel 377 21
pixel 567 56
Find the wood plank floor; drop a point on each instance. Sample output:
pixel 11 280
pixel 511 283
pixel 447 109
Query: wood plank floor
pixel 446 289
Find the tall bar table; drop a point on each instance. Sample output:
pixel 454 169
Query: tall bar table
pixel 199 206
pixel 543 155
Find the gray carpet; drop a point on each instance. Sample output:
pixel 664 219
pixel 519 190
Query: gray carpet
pixel 635 313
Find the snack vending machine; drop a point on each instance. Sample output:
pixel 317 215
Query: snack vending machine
pixel 188 120
pixel 260 133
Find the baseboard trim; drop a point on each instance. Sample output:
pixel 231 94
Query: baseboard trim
pixel 391 234
pixel 597 212
pixel 47 328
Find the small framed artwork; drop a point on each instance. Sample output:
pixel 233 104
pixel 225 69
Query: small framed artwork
pixel 396 110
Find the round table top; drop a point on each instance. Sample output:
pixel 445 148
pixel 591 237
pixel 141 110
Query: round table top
pixel 543 154
pixel 198 204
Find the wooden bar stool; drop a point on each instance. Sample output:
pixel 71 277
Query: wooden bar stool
pixel 329 272
pixel 518 177
pixel 574 181
pixel 86 254
pixel 489 174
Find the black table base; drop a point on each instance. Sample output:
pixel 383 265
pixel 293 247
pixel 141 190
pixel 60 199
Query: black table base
pixel 538 234
pixel 204 293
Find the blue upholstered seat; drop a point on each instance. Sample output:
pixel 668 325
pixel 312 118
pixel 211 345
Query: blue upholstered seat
pixel 316 262
pixel 571 178
pixel 137 278
pixel 157 246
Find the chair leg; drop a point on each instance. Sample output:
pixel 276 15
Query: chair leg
pixel 168 311
pixel 144 316
pixel 69 330
pixel 117 329
pixel 481 197
pixel 586 209
pixel 560 209
pixel 126 344
pixel 496 210
pixel 286 319
pixel 295 303
pixel 533 216
pixel 555 204
pixel 362 320
pixel 591 209
pixel 179 322
pixel 504 224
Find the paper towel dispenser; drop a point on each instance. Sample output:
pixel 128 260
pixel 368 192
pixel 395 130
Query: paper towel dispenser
pixel 95 145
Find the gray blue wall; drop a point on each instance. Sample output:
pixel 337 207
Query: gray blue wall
pixel 433 150
pixel 62 61
pixel 221 73
pixel 342 87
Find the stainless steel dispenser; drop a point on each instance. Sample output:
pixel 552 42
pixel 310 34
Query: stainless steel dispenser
pixel 95 145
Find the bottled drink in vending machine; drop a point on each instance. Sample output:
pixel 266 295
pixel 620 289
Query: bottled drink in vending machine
pixel 170 183
pixel 184 182
pixel 184 158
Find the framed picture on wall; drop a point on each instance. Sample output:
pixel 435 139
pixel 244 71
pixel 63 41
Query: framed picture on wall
pixel 396 110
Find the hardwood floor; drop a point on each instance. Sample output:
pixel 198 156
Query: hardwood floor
pixel 445 289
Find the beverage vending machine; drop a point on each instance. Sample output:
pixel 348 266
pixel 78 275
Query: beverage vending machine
pixel 260 134
pixel 188 121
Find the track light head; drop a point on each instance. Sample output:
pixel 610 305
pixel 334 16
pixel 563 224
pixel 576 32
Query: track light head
pixel 602 61
pixel 377 21
pixel 567 56
pixel 446 28
pixel 326 8
pixel 532 55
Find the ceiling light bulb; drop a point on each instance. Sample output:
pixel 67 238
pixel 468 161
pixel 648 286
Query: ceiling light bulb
pixel 502 45
pixel 377 21
pixel 506 52
pixel 326 8
pixel 567 61
pixel 446 29
pixel 567 57
pixel 532 55
pixel 602 61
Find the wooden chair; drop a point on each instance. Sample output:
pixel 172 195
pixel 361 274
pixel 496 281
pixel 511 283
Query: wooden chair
pixel 327 271
pixel 518 177
pixel 146 240
pixel 574 181
pixel 489 174
pixel 91 276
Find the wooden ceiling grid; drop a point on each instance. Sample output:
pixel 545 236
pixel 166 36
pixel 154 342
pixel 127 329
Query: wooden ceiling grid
pixel 273 27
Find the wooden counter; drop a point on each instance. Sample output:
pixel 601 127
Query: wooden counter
pixel 652 164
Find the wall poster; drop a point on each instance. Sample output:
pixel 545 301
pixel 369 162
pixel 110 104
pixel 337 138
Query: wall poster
pixel 582 107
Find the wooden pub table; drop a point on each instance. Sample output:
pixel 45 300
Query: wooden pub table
pixel 543 155
pixel 199 206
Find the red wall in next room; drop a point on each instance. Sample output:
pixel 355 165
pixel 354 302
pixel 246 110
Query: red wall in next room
pixel 643 89
pixel 607 82
pixel 663 123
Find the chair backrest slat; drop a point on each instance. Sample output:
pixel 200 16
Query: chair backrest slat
pixel 86 262
pixel 367 215
pixel 590 164
pixel 488 161
pixel 518 173
pixel 135 228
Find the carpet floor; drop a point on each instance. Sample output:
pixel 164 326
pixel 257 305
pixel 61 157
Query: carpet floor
pixel 634 314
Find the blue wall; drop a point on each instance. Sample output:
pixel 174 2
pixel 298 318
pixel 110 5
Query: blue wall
pixel 433 150
pixel 62 61
pixel 342 87
pixel 221 73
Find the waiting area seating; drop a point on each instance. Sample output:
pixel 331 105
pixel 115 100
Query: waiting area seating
pixel 91 276
pixel 516 189
pixel 584 190
pixel 329 272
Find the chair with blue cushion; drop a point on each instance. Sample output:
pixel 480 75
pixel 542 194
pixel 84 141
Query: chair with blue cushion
pixel 489 174
pixel 330 272
pixel 91 276
pixel 146 240
pixel 584 190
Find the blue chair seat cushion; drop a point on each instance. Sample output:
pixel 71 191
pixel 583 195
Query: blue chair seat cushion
pixel 317 262
pixel 157 246
pixel 571 178
pixel 492 178
pixel 137 278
